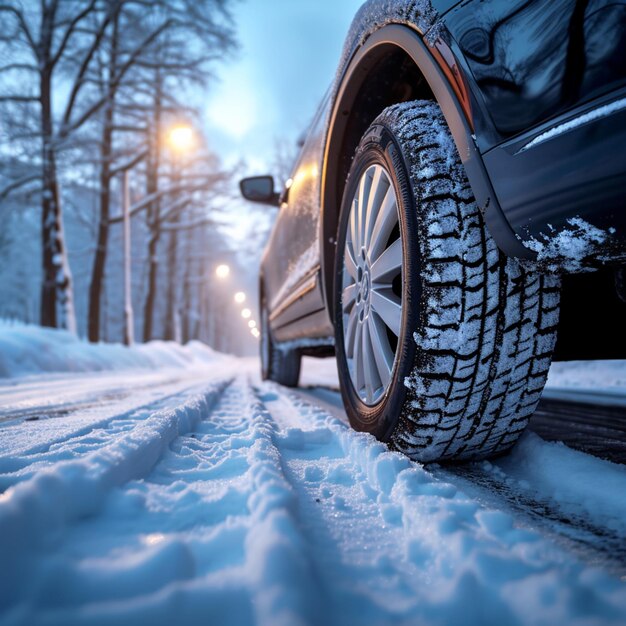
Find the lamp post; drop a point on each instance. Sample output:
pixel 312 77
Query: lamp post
pixel 129 321
pixel 129 328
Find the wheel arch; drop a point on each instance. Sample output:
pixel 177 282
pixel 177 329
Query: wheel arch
pixel 394 65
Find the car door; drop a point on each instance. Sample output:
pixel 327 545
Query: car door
pixel 293 254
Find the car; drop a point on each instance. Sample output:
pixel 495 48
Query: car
pixel 463 179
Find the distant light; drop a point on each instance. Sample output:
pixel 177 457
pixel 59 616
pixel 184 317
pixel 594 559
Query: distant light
pixel 246 313
pixel 154 538
pixel 222 271
pixel 251 324
pixel 255 332
pixel 181 138
pixel 240 297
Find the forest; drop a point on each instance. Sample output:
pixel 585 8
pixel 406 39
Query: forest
pixel 110 193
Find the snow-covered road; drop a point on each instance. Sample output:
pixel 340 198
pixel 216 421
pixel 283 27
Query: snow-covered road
pixel 206 496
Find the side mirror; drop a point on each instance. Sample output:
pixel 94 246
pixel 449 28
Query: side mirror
pixel 259 189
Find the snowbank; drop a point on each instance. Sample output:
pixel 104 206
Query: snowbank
pixel 27 350
pixel 596 375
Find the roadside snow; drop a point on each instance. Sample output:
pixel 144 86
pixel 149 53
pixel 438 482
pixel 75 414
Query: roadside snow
pixel 27 350
pixel 589 382
pixel 589 375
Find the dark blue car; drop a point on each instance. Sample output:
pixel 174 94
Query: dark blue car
pixel 464 176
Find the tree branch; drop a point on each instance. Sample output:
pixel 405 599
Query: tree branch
pixel 70 30
pixel 78 82
pixel 16 98
pixel 5 8
pixel 16 184
pixel 129 164
pixel 65 129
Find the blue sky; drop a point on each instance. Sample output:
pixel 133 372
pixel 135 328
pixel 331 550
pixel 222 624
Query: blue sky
pixel 288 56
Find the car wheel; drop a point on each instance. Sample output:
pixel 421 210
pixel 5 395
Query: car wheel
pixel 278 363
pixel 443 344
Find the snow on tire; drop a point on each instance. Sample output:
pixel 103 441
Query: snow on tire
pixel 486 327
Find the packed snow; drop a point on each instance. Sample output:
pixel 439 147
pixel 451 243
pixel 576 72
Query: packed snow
pixel 568 249
pixel 217 498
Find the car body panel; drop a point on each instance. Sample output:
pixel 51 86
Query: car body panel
pixel 537 67
pixel 532 60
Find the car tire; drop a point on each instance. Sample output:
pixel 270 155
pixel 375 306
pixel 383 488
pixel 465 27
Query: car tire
pixel 475 329
pixel 278 363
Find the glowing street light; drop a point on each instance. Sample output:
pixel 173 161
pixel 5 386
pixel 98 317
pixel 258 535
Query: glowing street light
pixel 222 271
pixel 251 324
pixel 255 332
pixel 246 313
pixel 181 138
pixel 240 297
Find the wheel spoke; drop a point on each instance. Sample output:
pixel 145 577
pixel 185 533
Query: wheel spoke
pixel 357 357
pixel 348 297
pixel 382 350
pixel 365 186
pixel 388 265
pixel 388 306
pixel 354 227
pixel 350 262
pixel 350 333
pixel 377 190
pixel 386 220
pixel 370 369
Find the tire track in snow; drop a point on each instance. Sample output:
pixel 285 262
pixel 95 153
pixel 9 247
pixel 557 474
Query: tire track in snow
pixel 28 438
pixel 81 434
pixel 36 512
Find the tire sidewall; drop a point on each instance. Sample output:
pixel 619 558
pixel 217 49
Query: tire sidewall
pixel 379 146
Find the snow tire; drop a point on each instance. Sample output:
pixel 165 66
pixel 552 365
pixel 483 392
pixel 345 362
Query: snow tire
pixel 279 364
pixel 479 329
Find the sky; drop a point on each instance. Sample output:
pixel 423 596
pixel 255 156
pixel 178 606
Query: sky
pixel 289 51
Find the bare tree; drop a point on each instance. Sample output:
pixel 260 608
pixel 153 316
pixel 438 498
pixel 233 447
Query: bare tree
pixel 40 39
pixel 103 54
pixel 146 46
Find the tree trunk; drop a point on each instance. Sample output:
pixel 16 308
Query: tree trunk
pixel 148 313
pixel 153 213
pixel 99 262
pixel 57 300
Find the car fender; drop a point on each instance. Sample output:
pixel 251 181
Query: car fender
pixel 426 43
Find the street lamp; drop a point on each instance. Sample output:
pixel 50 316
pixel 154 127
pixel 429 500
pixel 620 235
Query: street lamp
pixel 240 297
pixel 251 324
pixel 222 271
pixel 246 313
pixel 181 138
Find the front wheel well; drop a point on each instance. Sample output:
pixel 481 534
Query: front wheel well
pixel 385 76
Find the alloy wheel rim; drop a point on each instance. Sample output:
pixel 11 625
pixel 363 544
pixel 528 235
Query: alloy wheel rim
pixel 371 297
